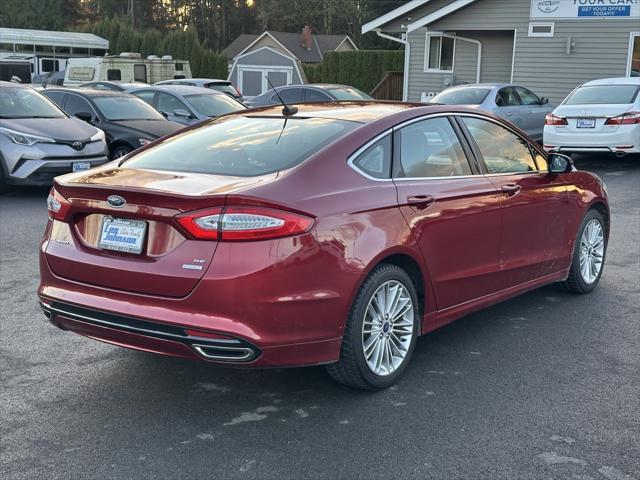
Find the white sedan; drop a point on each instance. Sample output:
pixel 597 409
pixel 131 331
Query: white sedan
pixel 598 116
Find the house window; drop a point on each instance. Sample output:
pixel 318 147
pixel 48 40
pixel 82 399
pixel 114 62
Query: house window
pixel 541 29
pixel 439 54
pixel 633 68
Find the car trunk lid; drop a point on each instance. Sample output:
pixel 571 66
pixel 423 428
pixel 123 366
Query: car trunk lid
pixel 590 118
pixel 169 263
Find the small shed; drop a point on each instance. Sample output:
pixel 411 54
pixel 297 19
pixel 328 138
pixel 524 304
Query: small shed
pixel 278 57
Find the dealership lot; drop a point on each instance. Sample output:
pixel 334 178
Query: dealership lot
pixel 543 386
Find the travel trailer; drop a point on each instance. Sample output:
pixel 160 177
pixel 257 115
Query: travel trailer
pixel 126 67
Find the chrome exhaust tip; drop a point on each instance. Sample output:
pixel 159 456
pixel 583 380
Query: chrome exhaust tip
pixel 224 354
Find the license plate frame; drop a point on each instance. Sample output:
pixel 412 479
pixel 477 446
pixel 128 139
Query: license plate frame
pixel 80 166
pixel 586 123
pixel 128 236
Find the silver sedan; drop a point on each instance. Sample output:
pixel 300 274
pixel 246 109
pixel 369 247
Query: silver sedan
pixel 515 103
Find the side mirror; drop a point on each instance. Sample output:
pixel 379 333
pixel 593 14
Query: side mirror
pixel 559 163
pixel 544 101
pixel 84 116
pixel 182 113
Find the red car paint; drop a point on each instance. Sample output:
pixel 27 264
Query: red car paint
pixel 287 299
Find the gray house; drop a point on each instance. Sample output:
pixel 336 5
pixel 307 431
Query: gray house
pixel 549 46
pixel 278 56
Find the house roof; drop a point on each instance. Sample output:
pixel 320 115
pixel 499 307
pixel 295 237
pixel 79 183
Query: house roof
pixel 407 9
pixel 291 42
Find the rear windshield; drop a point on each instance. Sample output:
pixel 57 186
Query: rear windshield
pixel 462 96
pixel 126 108
pixel 243 146
pixel 603 94
pixel 348 93
pixel 214 105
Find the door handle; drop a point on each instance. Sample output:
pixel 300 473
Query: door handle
pixel 420 202
pixel 511 189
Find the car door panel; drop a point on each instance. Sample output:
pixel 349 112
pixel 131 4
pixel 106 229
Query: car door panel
pixel 534 204
pixel 448 214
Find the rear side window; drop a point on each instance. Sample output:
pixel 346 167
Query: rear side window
pixel 603 94
pixel 431 148
pixel 502 150
pixel 375 160
pixel 55 97
pixel 507 98
pixel 146 95
pixel 243 146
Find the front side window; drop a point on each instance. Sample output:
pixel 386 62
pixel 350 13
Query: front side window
pixel 16 102
pixel 168 103
pixel 76 104
pixel 431 148
pixel 439 53
pixel 243 146
pixel 375 161
pixel 502 150
pixel 527 97
pixel 114 74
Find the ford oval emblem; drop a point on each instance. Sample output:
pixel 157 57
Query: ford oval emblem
pixel 116 201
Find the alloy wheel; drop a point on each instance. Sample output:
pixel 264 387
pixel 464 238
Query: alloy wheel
pixel 387 329
pixel 591 251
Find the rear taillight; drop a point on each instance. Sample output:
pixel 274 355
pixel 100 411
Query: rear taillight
pixel 57 205
pixel 630 118
pixel 243 223
pixel 552 119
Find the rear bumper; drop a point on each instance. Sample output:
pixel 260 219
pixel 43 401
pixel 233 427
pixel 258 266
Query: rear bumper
pixel 283 314
pixel 623 139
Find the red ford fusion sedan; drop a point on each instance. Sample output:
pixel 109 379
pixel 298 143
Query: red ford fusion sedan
pixel 333 235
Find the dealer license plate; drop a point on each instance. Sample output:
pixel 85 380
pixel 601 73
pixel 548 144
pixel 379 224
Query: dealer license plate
pixel 81 166
pixel 586 123
pixel 122 235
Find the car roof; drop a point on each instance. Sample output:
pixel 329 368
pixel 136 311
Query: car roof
pixel 180 89
pixel 88 92
pixel 355 111
pixel 4 84
pixel 615 81
pixel 484 85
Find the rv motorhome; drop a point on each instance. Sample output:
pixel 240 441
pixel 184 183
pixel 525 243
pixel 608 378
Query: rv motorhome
pixel 126 67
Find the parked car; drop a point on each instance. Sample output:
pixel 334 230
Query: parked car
pixel 39 141
pixel 515 103
pixel 335 236
pixel 599 116
pixel 312 92
pixel 223 86
pixel 117 86
pixel 128 122
pixel 188 105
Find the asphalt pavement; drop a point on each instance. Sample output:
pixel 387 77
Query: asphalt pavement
pixel 544 386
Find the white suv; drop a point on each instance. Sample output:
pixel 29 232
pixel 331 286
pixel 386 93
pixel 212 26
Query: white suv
pixel 599 116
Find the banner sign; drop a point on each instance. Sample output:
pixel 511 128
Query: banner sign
pixel 576 9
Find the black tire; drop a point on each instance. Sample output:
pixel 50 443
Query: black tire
pixel 120 151
pixel 575 282
pixel 352 369
pixel 4 187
